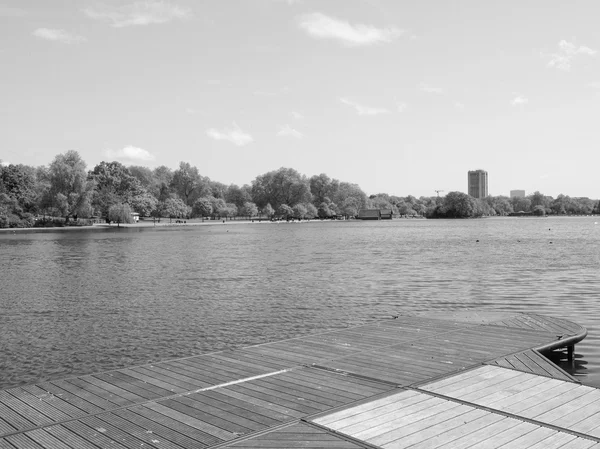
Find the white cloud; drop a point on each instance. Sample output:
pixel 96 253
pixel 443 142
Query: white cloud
pixel 320 26
pixel 130 154
pixel 430 89
pixel 288 131
pixel 58 36
pixel 594 85
pixel 296 115
pixel 364 110
pixel 567 51
pixel 459 106
pixel 519 100
pixel 234 135
pixel 4 163
pixel 401 107
pixel 146 12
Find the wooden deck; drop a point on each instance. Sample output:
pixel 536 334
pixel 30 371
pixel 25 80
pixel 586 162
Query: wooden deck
pixel 453 380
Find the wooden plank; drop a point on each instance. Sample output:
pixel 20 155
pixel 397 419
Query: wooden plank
pixel 205 375
pixel 272 363
pixel 132 385
pixel 261 412
pixel 557 441
pixel 137 386
pixel 351 415
pixel 203 438
pixel 151 380
pixel 438 385
pixel 15 405
pixel 469 382
pixel 56 401
pixel 295 435
pixel 338 381
pixel 112 432
pixel 47 440
pixel 94 394
pixel 5 427
pixel 537 435
pixel 159 430
pixel 93 435
pixel 574 410
pixel 191 421
pixel 458 427
pixel 284 399
pixel 37 403
pixel 230 423
pixel 432 426
pixel 399 427
pixel 113 389
pixel 250 419
pixel 72 398
pixel 22 441
pixel 168 378
pixel 241 396
pixel 517 393
pixel 509 436
pixel 4 444
pixel 131 429
pixel 70 437
pixel 553 398
pixel 487 433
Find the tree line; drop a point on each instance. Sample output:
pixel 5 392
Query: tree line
pixel 65 190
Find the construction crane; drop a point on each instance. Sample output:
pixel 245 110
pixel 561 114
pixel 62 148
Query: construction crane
pixel 438 192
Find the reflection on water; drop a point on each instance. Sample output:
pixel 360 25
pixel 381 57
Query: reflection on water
pixel 86 301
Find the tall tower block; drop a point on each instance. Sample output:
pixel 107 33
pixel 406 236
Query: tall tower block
pixel 478 183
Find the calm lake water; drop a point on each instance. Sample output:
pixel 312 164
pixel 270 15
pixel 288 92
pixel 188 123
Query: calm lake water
pixel 85 301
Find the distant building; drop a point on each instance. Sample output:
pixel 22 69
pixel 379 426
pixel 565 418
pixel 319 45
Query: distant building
pixel 478 183
pixel 375 214
pixel 517 193
pixel 386 214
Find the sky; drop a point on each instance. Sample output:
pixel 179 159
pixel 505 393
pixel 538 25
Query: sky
pixel 398 97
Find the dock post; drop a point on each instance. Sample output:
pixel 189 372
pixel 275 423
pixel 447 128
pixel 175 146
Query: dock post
pixel 570 350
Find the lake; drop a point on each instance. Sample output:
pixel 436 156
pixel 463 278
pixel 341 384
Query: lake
pixel 84 301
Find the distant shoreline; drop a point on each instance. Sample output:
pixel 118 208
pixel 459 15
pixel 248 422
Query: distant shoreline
pixel 149 224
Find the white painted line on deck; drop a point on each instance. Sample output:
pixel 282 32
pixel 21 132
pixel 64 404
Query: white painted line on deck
pixel 239 381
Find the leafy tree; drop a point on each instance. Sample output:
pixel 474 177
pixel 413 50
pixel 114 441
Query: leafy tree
pixel 350 207
pixel 174 208
pixel 285 211
pixel 120 213
pixel 350 196
pixel 219 205
pixel 311 210
pixel 457 205
pixel 18 182
pixel 217 189
pixel 230 210
pixel 299 211
pixel 203 207
pixel 283 186
pixel 249 210
pixel 187 182
pixel 324 210
pixel 115 184
pixel 321 187
pixel 268 211
pixel 70 189
pixel 238 195
pixel 163 178
pixel 144 203
pixel 539 210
